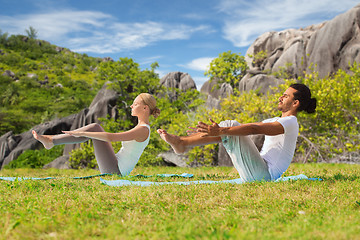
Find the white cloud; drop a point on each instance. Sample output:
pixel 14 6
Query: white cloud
pixel 150 60
pixel 194 16
pixel 55 25
pixel 199 64
pixel 91 31
pixel 245 20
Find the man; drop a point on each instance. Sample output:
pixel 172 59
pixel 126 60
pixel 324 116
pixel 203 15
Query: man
pixel 280 137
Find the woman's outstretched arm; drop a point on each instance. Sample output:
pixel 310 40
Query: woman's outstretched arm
pixel 138 133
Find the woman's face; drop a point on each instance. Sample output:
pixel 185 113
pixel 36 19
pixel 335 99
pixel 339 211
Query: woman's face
pixel 138 107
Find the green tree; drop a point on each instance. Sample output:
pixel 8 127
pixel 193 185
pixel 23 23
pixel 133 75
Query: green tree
pixel 3 37
pixel 31 32
pixel 229 68
pixel 128 80
pixel 11 95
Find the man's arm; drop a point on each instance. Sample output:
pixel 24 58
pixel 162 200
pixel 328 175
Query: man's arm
pixel 273 128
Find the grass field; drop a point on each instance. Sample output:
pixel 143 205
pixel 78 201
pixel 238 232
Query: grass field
pixel 65 208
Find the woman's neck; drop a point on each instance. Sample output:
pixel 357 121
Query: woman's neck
pixel 142 121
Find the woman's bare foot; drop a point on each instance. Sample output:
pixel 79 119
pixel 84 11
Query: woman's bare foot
pixel 174 141
pixel 44 139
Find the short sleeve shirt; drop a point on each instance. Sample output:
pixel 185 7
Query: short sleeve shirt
pixel 278 150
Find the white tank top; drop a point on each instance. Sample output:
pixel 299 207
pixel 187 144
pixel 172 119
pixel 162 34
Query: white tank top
pixel 129 154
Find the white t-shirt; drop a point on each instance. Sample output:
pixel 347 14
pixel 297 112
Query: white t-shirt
pixel 278 150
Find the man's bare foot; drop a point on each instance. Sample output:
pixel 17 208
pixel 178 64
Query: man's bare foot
pixel 174 141
pixel 44 139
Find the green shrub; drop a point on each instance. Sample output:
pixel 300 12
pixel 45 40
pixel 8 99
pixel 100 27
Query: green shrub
pixel 35 158
pixel 334 129
pixel 83 157
pixel 11 59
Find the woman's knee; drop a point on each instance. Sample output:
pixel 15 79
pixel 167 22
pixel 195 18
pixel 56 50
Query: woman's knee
pixel 95 127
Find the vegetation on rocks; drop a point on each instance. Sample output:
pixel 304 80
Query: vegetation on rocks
pixel 229 68
pixel 44 82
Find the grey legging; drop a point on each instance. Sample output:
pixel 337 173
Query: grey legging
pixel 104 151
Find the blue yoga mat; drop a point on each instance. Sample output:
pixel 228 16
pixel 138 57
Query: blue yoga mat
pixel 47 178
pixel 23 178
pixel 183 175
pixel 119 183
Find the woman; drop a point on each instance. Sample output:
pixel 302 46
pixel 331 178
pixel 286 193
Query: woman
pixel 134 141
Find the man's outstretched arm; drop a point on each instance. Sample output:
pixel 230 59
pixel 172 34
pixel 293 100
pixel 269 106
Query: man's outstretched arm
pixel 273 128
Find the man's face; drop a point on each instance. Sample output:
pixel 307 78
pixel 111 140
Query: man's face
pixel 286 101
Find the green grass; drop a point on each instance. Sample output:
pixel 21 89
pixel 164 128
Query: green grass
pixel 85 209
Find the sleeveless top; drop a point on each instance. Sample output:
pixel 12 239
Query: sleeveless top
pixel 129 154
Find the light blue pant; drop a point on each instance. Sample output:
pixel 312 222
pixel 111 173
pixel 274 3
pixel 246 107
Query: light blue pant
pixel 245 156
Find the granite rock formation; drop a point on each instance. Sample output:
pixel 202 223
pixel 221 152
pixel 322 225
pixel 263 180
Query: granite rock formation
pixel 103 105
pixel 325 48
pixel 215 94
pixel 182 81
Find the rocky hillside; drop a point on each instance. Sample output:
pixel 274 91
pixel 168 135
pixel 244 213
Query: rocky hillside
pixel 324 47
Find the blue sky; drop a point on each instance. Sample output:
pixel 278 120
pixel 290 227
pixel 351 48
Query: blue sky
pixel 181 35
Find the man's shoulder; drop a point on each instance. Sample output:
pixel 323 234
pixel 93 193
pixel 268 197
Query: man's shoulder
pixel 270 120
pixel 288 118
pixel 292 119
pixel 289 123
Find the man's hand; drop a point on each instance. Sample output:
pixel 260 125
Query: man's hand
pixel 191 131
pixel 209 130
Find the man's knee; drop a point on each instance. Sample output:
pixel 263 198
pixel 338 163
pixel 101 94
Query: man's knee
pixel 229 123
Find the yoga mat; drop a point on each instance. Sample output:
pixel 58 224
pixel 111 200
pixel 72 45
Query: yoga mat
pixel 47 178
pixel 119 183
pixel 24 178
pixel 184 175
pixel 297 177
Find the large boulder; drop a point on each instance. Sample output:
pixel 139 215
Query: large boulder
pixel 103 105
pixel 176 80
pixel 61 162
pixel 174 160
pixel 14 145
pixel 215 92
pixel 260 82
pixel 182 81
pixel 8 142
pixel 324 47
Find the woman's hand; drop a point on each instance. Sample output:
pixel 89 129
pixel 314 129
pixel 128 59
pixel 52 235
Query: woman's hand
pixel 209 130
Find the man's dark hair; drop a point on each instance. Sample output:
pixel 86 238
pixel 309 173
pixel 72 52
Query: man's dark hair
pixel 303 94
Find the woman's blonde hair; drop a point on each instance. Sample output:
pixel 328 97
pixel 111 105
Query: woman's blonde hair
pixel 150 101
